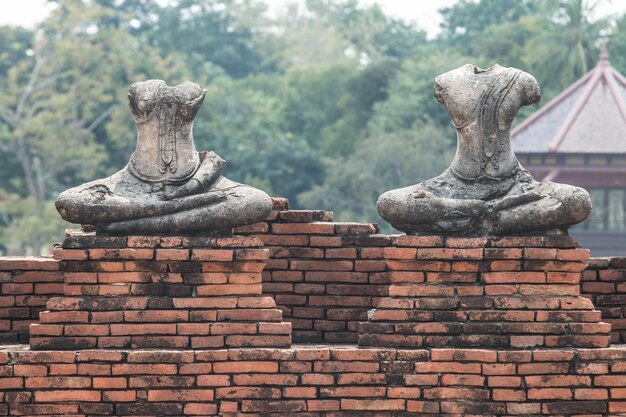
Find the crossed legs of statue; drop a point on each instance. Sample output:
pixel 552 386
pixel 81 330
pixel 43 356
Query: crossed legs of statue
pixel 525 207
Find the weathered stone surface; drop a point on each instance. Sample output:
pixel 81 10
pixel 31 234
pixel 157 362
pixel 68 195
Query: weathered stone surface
pixel 167 187
pixel 485 191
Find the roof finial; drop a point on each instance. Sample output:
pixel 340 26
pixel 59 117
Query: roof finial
pixel 604 55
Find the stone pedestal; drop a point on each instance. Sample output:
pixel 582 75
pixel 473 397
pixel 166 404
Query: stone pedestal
pixel 505 292
pixel 160 292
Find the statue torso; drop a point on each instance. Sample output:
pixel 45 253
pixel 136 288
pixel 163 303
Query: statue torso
pixel 164 116
pixel 483 107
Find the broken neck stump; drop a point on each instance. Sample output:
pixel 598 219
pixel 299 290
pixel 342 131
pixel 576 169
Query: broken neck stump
pixel 160 292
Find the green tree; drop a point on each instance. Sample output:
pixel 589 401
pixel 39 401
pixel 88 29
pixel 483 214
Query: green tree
pixel 201 32
pixel 53 110
pixel 467 23
pixel 564 44
pixel 241 121
pixel 380 163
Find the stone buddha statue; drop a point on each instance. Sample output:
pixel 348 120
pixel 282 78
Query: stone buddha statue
pixel 485 191
pixel 167 187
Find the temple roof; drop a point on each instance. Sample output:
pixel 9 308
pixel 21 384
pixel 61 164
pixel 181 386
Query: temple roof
pixel 587 117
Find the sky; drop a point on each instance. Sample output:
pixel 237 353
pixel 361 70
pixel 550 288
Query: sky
pixel 425 12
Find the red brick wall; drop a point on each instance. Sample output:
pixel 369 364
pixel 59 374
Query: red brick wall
pixel 26 284
pixel 604 282
pixel 323 275
pixel 314 382
pixel 326 276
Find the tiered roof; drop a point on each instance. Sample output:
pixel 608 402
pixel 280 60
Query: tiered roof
pixel 588 117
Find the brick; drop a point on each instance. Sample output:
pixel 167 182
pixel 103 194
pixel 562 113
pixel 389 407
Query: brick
pixel 464 380
pixel 549 394
pixel 334 276
pixel 501 253
pixel 549 289
pixel 577 407
pixel 339 366
pixel 427 266
pixel 142 328
pixel 11 288
pixel 504 381
pixel 418 241
pixel 422 407
pixel 323 405
pixel 361 378
pixel 57 382
pixel 30 370
pixel 172 254
pixel 539 253
pixel 369 265
pixel 609 380
pixel 144 369
pixel 505 265
pixel 399 253
pixel 317 379
pixel 422 379
pixel 228 289
pixel 464 355
pixel 157 316
pixel 509 395
pixel 252 254
pixel 450 253
pixel 64 317
pixel 179 395
pixel 572 254
pixel 223 255
pixel 448 367
pixel 200 409
pixel 284 406
pixel 591 394
pixel 322 265
pixel 328 241
pixel 299 392
pixel 265 379
pixel 67 396
pixel 260 227
pixel 28 263
pixel 543 368
pixel 456 393
pixel 564 266
pixel 214 380
pixel 11 383
pixel 374 404
pixel 245 367
pixel 303 228
pixel 563 277
pixel 110 382
pixel 514 277
pixel 524 409
pixel 341 253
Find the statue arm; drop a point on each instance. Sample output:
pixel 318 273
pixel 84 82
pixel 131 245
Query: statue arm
pixel 211 167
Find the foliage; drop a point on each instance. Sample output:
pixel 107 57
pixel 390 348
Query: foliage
pixel 327 102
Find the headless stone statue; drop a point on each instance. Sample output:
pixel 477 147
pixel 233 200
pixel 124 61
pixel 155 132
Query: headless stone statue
pixel 485 191
pixel 167 186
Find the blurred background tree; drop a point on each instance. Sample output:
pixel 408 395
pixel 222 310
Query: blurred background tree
pixel 329 103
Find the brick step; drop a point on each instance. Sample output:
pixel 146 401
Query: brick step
pixel 159 303
pixel 160 292
pixel 314 381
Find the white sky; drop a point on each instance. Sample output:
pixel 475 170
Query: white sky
pixel 424 12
